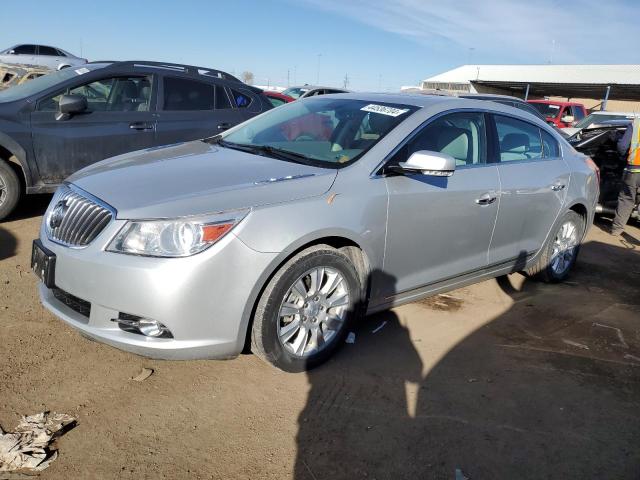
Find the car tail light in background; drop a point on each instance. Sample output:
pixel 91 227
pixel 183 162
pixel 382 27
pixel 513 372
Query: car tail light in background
pixel 592 165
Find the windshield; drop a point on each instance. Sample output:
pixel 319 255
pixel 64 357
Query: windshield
pixel 546 109
pixel 589 120
pixel 325 132
pixel 295 92
pixel 37 85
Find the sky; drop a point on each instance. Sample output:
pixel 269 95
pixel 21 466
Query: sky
pixel 375 44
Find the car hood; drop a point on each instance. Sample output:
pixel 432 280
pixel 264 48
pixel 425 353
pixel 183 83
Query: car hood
pixel 197 178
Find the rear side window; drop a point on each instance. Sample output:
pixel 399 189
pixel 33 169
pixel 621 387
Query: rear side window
pixel 48 51
pixel 222 99
pixel 518 140
pixel 183 94
pixel 550 147
pixel 240 100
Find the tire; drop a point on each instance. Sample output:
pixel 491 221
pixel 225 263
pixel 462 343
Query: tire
pixel 10 189
pixel 551 269
pixel 294 342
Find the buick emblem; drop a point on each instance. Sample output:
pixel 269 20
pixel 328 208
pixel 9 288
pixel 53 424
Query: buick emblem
pixel 57 214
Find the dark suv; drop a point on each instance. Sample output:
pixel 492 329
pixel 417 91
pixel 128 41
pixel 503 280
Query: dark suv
pixel 57 124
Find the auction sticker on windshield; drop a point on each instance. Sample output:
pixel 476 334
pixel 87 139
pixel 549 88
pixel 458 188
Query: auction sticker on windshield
pixel 384 110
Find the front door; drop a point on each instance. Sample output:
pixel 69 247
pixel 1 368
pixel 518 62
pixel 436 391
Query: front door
pixel 534 181
pixel 119 119
pixel 440 227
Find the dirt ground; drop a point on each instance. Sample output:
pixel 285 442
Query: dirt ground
pixel 505 379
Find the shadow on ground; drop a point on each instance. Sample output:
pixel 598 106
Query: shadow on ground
pixel 548 389
pixel 8 244
pixel 30 206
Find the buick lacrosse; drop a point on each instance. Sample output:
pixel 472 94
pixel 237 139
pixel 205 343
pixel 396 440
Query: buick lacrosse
pixel 278 234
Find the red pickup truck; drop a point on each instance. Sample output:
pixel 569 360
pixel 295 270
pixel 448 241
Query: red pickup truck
pixel 560 114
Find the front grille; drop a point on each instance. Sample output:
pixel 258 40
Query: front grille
pixel 74 219
pixel 74 303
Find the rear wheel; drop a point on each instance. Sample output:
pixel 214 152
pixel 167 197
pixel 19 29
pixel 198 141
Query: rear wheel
pixel 306 309
pixel 560 253
pixel 9 189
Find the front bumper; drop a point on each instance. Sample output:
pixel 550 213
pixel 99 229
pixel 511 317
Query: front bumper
pixel 202 299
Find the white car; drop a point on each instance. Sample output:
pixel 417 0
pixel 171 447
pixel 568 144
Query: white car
pixel 596 118
pixel 50 57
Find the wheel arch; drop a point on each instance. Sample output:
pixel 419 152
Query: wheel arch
pixel 349 246
pixel 581 209
pixel 13 154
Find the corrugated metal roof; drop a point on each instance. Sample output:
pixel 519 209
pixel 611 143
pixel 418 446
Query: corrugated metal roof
pixel 561 74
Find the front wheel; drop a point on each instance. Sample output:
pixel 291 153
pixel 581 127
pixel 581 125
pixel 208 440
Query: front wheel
pixel 306 309
pixel 560 253
pixel 9 189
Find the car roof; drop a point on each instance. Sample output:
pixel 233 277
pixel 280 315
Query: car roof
pixel 554 102
pixel 191 70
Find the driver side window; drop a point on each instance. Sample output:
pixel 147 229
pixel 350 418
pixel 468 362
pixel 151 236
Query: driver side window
pixel 461 135
pixel 115 94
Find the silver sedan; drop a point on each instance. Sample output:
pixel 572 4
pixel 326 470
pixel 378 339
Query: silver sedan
pixel 281 232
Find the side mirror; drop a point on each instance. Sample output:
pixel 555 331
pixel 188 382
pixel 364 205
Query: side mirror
pixel 70 105
pixel 11 52
pixel 429 163
pixel 567 119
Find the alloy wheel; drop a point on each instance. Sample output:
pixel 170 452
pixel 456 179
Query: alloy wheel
pixel 313 311
pixel 564 248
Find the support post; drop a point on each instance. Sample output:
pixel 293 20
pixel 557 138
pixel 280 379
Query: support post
pixel 603 107
pixel 526 93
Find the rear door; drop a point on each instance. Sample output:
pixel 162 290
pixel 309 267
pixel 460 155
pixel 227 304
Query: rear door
pixel 119 119
pixel 440 227
pixel 192 109
pixel 533 185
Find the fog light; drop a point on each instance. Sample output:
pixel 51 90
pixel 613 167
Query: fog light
pixel 151 328
pixel 142 326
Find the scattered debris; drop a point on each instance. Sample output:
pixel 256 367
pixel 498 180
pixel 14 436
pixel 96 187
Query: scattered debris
pixel 460 475
pixel 29 447
pixel 351 338
pixel 472 380
pixel 622 343
pixel 442 302
pixel 576 344
pixel 379 327
pixel 632 357
pixel 143 375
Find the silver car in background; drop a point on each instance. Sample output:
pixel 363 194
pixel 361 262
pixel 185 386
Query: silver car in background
pixel 42 55
pixel 282 231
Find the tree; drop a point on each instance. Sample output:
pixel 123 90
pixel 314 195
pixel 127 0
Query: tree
pixel 247 77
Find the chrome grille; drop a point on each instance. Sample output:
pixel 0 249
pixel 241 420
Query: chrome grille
pixel 75 218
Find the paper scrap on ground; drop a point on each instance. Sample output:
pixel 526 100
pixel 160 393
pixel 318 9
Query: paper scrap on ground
pixel 28 448
pixel 351 338
pixel 380 327
pixel 143 375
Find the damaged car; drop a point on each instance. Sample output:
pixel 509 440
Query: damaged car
pixel 281 232
pixel 600 142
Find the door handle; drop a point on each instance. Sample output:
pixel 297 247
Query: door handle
pixel 143 126
pixel 224 126
pixel 487 199
pixel 557 187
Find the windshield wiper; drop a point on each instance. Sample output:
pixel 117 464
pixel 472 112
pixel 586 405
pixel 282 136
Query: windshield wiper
pixel 264 149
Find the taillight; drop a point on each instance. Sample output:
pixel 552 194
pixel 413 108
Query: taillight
pixel 592 165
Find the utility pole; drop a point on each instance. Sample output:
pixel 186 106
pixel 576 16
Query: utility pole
pixel 345 83
pixel 380 82
pixel 318 75
pixel 288 83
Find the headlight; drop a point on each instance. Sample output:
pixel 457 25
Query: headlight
pixel 174 238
